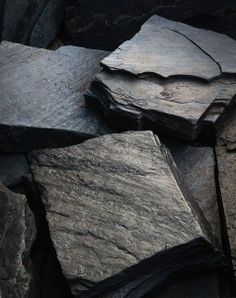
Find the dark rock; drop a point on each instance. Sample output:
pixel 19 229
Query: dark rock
pixel 12 168
pixel 17 232
pixel 42 103
pixel 226 158
pixel 197 165
pixel 137 97
pixel 118 217
pixel 35 23
pixel 105 24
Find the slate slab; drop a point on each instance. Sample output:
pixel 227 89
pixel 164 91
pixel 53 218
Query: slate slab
pixel 197 166
pixel 180 107
pixel 42 102
pixel 17 232
pixel 118 215
pixel 226 158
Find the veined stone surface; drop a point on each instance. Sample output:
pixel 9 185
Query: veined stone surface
pixel 42 102
pixel 117 215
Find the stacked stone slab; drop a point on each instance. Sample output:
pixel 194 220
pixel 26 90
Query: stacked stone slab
pixel 120 219
pixel 170 77
pixel 42 96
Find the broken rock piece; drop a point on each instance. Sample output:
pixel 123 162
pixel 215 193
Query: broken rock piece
pixel 197 166
pixel 226 158
pixel 42 103
pixel 118 217
pixel 178 85
pixel 17 232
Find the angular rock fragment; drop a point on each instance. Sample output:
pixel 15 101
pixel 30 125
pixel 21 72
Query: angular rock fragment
pixel 197 165
pixel 42 103
pixel 16 237
pixel 226 158
pixel 163 86
pixel 118 216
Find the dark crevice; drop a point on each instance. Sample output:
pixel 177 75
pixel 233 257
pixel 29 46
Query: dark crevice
pixel 224 233
pixel 50 279
pixel 2 2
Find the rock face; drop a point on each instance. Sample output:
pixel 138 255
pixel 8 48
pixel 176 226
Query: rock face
pixel 16 238
pixel 197 165
pixel 162 86
pixel 107 23
pixel 34 22
pixel 226 158
pixel 42 103
pixel 118 217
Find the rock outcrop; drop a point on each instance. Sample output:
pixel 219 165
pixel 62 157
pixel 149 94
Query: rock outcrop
pixel 119 217
pixel 42 102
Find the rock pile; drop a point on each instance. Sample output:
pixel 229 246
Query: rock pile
pixel 132 190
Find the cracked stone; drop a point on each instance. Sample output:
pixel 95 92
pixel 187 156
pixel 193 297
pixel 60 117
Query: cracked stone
pixel 133 95
pixel 119 217
pixel 42 102
pixel 17 233
pixel 226 158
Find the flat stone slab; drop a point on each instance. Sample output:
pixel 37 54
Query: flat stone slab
pixel 17 231
pixel 118 216
pixel 226 158
pixel 42 102
pixel 180 107
pixel 197 166
pixel 168 48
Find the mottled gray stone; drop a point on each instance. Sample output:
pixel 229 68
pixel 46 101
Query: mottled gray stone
pixel 42 102
pixel 168 48
pixel 117 215
pixel 197 165
pixel 226 158
pixel 182 107
pixel 12 168
pixel 17 232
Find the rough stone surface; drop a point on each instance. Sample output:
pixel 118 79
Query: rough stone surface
pixel 113 202
pixel 35 22
pixel 16 238
pixel 105 24
pixel 175 49
pixel 197 165
pixel 182 106
pixel 226 157
pixel 42 102
pixel 12 168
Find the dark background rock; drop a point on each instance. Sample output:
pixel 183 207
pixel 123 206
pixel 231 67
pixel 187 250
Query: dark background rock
pixel 107 23
pixel 33 22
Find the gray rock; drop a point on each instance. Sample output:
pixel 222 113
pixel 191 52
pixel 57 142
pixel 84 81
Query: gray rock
pixel 117 215
pixel 35 22
pixel 226 157
pixel 42 102
pixel 12 168
pixel 180 107
pixel 17 232
pixel 197 165
pixel 175 49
